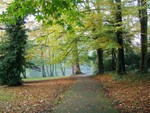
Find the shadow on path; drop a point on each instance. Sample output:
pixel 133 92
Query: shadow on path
pixel 85 96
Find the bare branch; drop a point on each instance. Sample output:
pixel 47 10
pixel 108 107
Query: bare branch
pixel 2 28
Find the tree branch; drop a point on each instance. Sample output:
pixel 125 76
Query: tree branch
pixel 2 28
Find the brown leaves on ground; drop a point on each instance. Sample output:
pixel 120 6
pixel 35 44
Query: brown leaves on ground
pixel 33 96
pixel 128 97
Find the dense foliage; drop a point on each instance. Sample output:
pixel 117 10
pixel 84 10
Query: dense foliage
pixel 13 54
pixel 65 33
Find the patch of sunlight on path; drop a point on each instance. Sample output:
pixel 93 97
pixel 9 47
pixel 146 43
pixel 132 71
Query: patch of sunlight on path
pixel 85 96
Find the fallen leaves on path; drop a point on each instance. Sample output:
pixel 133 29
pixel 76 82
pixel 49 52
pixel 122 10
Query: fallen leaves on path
pixel 128 97
pixel 33 97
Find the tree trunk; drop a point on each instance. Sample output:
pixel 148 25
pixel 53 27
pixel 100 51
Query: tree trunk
pixel 62 69
pixel 47 70
pixel 100 61
pixel 143 21
pixel 114 59
pixel 51 70
pixel 55 68
pixel 51 67
pixel 120 59
pixel 43 65
pixel 43 70
pixel 76 65
pixel 24 73
pixel 73 69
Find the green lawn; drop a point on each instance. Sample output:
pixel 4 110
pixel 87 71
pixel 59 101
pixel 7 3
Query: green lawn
pixel 43 78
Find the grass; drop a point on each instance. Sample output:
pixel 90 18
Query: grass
pixel 5 97
pixel 43 78
pixel 130 76
pixel 8 97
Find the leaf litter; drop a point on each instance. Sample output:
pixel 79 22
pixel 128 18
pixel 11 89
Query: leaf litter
pixel 127 96
pixel 33 96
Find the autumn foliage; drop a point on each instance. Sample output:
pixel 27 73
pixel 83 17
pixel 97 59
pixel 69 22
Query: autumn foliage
pixel 33 96
pixel 128 96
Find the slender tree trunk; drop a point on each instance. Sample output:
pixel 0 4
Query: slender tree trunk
pixel 143 21
pixel 47 70
pixel 119 35
pixel 73 69
pixel 55 68
pixel 113 59
pixel 62 69
pixel 51 70
pixel 43 65
pixel 43 70
pixel 100 61
pixel 51 67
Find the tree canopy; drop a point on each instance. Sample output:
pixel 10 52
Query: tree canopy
pixel 70 32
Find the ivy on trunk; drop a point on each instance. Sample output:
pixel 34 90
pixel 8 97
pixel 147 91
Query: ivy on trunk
pixel 14 51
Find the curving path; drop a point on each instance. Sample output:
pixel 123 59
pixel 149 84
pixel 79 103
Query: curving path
pixel 85 96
